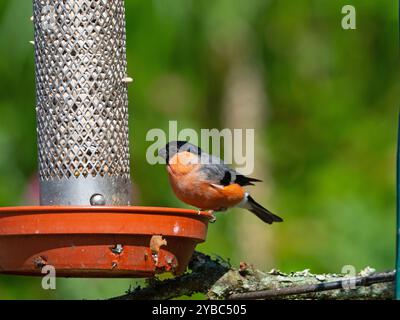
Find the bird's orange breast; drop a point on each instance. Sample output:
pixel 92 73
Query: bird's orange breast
pixel 182 164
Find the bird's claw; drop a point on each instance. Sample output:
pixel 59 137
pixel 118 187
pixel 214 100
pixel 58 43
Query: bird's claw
pixel 213 217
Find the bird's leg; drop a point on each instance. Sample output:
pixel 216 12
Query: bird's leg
pixel 213 217
pixel 211 212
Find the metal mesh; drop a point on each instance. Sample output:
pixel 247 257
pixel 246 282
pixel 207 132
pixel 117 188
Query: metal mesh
pixel 82 114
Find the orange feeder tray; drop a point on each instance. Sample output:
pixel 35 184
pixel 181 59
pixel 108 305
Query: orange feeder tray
pixel 100 242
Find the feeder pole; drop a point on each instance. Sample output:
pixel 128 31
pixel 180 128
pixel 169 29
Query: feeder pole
pixel 398 217
pixel 82 102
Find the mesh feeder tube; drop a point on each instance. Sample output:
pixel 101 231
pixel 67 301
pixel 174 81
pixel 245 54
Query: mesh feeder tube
pixel 82 102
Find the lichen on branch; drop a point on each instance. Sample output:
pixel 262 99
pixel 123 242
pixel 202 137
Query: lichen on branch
pixel 217 279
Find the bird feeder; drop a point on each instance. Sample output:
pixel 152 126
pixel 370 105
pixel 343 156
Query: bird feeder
pixel 85 225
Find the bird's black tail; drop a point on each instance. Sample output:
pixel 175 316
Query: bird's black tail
pixel 261 212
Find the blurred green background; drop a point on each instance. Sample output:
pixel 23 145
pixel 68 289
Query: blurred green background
pixel 323 102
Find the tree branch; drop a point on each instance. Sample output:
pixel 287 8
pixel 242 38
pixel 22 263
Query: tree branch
pixel 218 280
pixel 205 272
pixel 319 287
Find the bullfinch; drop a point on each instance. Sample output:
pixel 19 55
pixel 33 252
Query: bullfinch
pixel 206 182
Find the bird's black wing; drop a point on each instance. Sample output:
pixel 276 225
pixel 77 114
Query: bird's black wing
pixel 221 174
pixel 245 181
